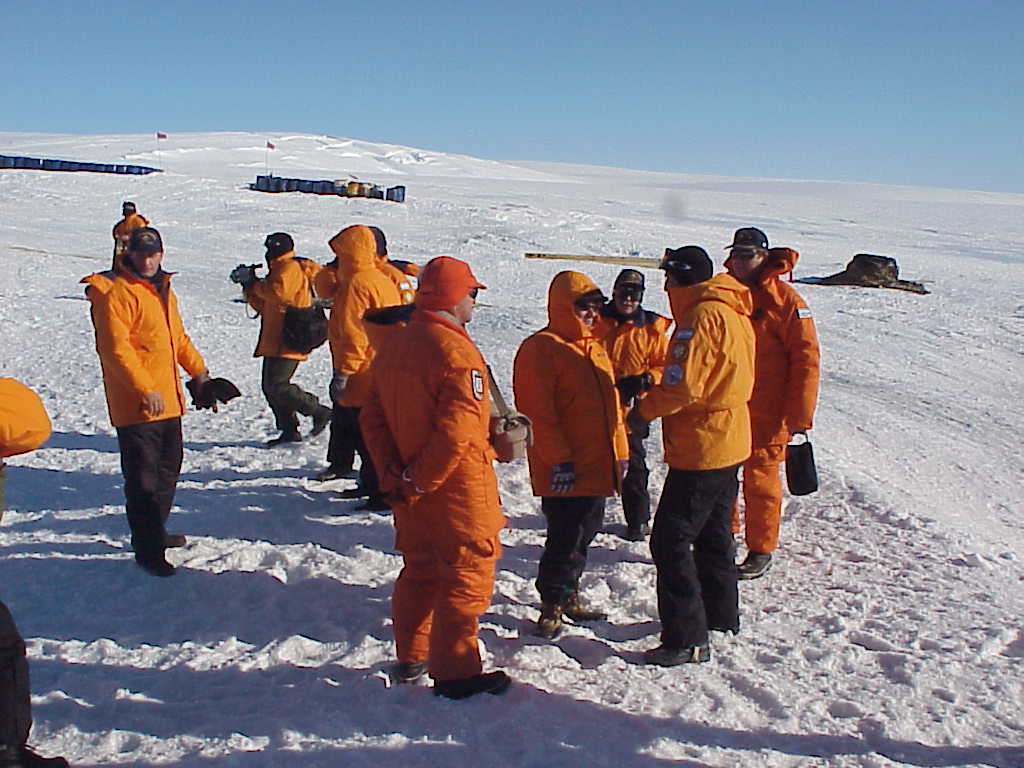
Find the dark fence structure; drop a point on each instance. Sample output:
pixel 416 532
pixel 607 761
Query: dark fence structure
pixel 48 164
pixel 327 187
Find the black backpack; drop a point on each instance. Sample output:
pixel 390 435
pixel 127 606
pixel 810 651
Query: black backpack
pixel 304 328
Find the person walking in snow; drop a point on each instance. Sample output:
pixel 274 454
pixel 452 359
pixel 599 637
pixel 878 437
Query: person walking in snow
pixel 24 426
pixel 358 287
pixel 636 342
pixel 426 424
pixel 785 387
pixel 702 400
pixel 131 220
pixel 141 341
pixel 288 284
pixel 565 384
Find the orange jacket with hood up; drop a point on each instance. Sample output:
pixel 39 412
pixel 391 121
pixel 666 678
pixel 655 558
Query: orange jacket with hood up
pixel 564 382
pixel 708 376
pixel 361 286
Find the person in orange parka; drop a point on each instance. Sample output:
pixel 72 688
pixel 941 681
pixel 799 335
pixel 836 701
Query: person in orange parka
pixel 398 272
pixel 287 284
pixel 426 424
pixel 141 341
pixel 341 448
pixel 360 287
pixel 636 342
pixel 24 425
pixel 130 221
pixel 785 387
pixel 565 383
pixel 702 399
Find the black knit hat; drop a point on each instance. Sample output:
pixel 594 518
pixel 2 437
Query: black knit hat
pixel 278 244
pixel 631 278
pixel 688 265
pixel 145 240
pixel 749 237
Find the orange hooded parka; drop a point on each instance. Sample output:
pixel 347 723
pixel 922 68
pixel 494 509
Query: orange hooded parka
pixel 361 287
pixel 564 382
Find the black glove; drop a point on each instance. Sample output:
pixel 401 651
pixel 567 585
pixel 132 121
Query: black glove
pixel 630 387
pixel 202 393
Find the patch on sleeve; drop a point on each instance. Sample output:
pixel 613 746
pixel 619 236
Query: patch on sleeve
pixel 803 312
pixel 477 380
pixel 679 349
pixel 684 334
pixel 673 375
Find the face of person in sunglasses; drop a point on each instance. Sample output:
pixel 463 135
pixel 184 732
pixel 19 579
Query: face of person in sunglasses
pixel 587 311
pixel 627 300
pixel 745 262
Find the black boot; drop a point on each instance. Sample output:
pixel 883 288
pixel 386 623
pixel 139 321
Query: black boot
pixel 321 418
pixel 284 438
pixel 488 682
pixel 665 656
pixel 23 757
pixel 754 566
pixel 408 671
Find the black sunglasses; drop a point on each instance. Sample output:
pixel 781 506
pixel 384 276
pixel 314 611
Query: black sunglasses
pixel 747 253
pixel 473 292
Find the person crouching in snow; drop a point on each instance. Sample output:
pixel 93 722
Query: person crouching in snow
pixel 785 387
pixel 636 343
pixel 426 424
pixel 565 384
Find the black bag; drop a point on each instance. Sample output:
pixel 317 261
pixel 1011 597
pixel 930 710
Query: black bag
pixel 801 473
pixel 304 329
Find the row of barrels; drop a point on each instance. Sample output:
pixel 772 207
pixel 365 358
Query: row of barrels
pixel 326 187
pixel 48 164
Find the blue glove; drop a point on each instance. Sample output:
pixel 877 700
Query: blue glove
pixel 563 477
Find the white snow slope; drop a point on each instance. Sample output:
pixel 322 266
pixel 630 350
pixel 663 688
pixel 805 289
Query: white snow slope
pixel 889 632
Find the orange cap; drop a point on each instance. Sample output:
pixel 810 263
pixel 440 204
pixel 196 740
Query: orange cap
pixel 444 282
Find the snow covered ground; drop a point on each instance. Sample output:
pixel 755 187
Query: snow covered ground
pixel 889 632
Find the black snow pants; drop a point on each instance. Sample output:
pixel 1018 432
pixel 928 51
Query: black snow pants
pixel 695 554
pixel 636 498
pixel 573 522
pixel 150 461
pixel 15 701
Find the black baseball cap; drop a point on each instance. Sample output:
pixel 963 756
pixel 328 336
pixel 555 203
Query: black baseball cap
pixel 749 237
pixel 145 240
pixel 688 265
pixel 629 278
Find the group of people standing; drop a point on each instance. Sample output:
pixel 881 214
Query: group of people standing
pixel 732 375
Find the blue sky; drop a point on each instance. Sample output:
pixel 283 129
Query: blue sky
pixel 900 91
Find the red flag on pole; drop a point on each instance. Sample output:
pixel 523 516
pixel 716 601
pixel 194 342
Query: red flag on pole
pixel 270 146
pixel 161 135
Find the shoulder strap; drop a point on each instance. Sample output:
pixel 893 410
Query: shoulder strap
pixel 496 397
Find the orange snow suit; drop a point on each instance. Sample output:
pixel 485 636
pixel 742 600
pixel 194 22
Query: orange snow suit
pixel 785 394
pixel 287 284
pixel 564 382
pixel 708 376
pixel 122 232
pixel 426 425
pixel 361 286
pixel 141 342
pixel 24 425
